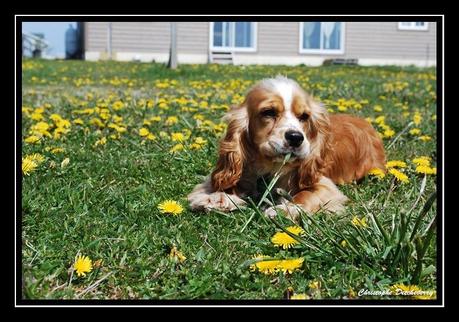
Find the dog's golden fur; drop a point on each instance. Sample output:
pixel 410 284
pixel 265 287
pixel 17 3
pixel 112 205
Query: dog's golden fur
pixel 337 149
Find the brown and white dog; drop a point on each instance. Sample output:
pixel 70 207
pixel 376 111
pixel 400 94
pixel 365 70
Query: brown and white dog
pixel 277 118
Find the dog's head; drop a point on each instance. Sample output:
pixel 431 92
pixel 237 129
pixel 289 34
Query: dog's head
pixel 276 118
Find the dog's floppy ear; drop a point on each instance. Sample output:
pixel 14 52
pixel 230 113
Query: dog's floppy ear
pixel 318 132
pixel 232 151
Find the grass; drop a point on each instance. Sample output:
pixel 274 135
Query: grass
pixel 104 203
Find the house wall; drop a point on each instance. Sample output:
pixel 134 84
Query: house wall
pixel 277 43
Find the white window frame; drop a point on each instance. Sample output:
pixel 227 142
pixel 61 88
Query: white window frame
pixel 322 51
pixel 413 26
pixel 234 49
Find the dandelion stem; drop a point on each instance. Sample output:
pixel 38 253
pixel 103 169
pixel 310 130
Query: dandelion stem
pixel 399 135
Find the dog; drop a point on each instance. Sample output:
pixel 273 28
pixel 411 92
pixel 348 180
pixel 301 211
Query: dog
pixel 278 118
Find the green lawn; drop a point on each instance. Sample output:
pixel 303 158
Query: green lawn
pixel 103 201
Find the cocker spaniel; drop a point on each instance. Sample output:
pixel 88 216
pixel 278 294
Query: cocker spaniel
pixel 278 118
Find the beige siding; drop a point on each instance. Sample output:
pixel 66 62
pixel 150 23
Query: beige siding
pixel 193 37
pixel 95 36
pixel 385 40
pixel 278 38
pixel 141 36
pixel 363 40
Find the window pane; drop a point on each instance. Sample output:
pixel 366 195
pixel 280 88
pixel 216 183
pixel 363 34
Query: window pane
pixel 227 34
pixel 331 35
pixel 311 35
pixel 218 34
pixel 243 34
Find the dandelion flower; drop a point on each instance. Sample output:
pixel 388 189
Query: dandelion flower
pixel 300 296
pixel 400 176
pixel 144 132
pixel 378 108
pixel 36 157
pixel 265 265
pixel 102 141
pixel 359 222
pixel 378 173
pixel 82 265
pixel 171 120
pixel 396 164
pixel 415 131
pixel 177 255
pixel 32 139
pixel 426 169
pixel 314 285
pixel 388 133
pixel 151 137
pixel 284 240
pixel 170 207
pixel 290 265
pixel 343 243
pixel 177 137
pixel 425 138
pixel 422 160
pixel 176 148
pixel 28 166
pixel 417 118
pixel 78 121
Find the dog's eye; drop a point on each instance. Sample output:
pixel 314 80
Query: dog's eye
pixel 303 117
pixel 269 113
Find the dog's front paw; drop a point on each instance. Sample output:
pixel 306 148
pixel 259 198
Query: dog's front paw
pixel 290 210
pixel 216 201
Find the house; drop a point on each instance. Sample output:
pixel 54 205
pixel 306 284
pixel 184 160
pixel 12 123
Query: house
pixel 289 43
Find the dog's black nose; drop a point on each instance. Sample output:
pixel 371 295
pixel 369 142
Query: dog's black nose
pixel 294 138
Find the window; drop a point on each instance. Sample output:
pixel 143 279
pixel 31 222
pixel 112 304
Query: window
pixel 234 36
pixel 322 37
pixel 408 25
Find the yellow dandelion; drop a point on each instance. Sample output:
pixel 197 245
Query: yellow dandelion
pixel 300 296
pixel 378 173
pixel 117 105
pixel 290 265
pixel 177 137
pixel 155 118
pixel 151 137
pixel 102 141
pixel 425 138
pixel 28 166
pixel 417 118
pixel 396 164
pixel 426 169
pixel 422 160
pixel 78 121
pixel 170 207
pixel 357 222
pixel 82 265
pixel 57 150
pixel 171 120
pixel 378 108
pixel 177 148
pixel 284 240
pixel 32 139
pixel 314 285
pixel 388 133
pixel 400 176
pixel 265 265
pixel 36 157
pixel 144 132
pixel 177 255
pixel 415 131
pixel 343 243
